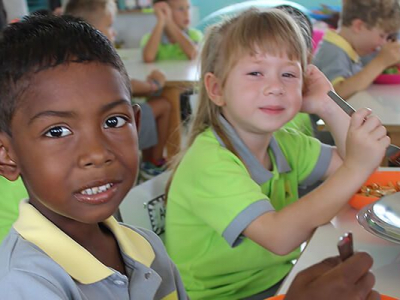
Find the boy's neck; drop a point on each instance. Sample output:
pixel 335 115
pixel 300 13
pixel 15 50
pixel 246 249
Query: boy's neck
pixel 345 33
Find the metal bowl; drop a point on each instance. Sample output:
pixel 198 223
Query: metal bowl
pixel 382 218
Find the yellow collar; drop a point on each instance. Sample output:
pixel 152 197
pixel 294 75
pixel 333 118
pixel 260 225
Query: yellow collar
pixel 332 37
pixel 76 260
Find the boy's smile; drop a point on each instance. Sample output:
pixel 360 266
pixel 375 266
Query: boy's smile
pixel 74 140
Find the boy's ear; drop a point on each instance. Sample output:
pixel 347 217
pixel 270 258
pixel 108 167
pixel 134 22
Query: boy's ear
pixel 138 114
pixel 8 167
pixel 214 89
pixel 357 25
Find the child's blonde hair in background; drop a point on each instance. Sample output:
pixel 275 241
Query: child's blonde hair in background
pixel 88 10
pixel 271 31
pixel 384 14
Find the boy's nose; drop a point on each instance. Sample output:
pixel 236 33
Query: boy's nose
pixel 95 153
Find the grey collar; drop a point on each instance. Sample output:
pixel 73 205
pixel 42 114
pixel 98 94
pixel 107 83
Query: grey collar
pixel 257 171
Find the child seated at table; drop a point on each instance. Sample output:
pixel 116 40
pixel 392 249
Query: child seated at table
pixel 68 128
pixel 156 110
pixel 171 38
pixel 78 162
pixel 234 190
pixel 364 28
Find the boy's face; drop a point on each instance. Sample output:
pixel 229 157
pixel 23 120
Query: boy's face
pixel 74 141
pixel 367 41
pixel 180 12
pixel 105 24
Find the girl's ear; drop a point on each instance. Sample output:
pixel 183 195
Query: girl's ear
pixel 214 89
pixel 8 167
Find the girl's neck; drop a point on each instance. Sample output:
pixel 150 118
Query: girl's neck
pixel 258 146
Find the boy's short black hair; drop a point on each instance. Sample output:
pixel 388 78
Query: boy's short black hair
pixel 38 43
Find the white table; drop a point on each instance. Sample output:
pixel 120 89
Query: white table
pixel 323 244
pixel 180 76
pixel 384 100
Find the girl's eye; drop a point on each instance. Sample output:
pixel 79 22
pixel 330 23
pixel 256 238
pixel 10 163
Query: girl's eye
pixel 57 132
pixel 289 75
pixel 255 73
pixel 115 122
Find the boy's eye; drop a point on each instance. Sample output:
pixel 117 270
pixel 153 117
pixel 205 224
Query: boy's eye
pixel 115 122
pixel 58 131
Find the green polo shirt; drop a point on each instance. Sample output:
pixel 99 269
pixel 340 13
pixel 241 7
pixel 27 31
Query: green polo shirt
pixel 214 196
pixel 11 193
pixel 169 51
pixel 302 123
pixel 336 58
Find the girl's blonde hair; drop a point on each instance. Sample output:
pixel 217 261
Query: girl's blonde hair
pixel 269 31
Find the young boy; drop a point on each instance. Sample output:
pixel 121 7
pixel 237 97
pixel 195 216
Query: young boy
pixel 171 38
pixel 156 111
pixel 364 28
pixel 78 162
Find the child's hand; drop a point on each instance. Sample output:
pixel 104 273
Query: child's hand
pixel 158 76
pixel 316 87
pixel 332 279
pixel 161 10
pixel 366 142
pixel 389 54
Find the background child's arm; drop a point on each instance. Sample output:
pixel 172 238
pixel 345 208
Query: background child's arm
pixel 155 81
pixel 186 44
pixel 388 56
pixel 151 48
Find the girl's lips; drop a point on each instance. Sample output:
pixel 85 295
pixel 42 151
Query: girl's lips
pixel 272 110
pixel 97 195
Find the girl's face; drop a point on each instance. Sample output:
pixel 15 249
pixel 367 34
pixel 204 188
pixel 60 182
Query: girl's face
pixel 262 93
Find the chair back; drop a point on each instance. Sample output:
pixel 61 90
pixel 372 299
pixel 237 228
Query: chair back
pixel 144 205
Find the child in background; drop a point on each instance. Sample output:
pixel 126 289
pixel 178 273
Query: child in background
pixel 364 28
pixel 153 133
pixel 171 38
pixel 11 193
pixel 64 244
pixel 234 191
pixel 68 128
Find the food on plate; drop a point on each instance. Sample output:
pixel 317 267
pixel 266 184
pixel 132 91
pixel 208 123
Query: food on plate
pixel 391 70
pixel 379 190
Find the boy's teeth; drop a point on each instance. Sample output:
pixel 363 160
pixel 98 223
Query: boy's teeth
pixel 97 189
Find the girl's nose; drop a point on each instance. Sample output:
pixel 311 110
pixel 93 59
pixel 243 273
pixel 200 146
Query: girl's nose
pixel 273 87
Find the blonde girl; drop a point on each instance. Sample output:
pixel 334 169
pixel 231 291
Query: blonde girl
pixel 234 223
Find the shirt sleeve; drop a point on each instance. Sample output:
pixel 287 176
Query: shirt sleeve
pixel 195 35
pixel 334 63
pixel 313 159
pixel 20 285
pixel 222 183
pixel 144 40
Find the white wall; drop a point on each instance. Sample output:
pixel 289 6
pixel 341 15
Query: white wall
pixel 131 27
pixel 15 9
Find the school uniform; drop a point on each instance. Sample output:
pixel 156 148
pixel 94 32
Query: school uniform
pixel 39 261
pixel 336 58
pixel 172 51
pixel 214 196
